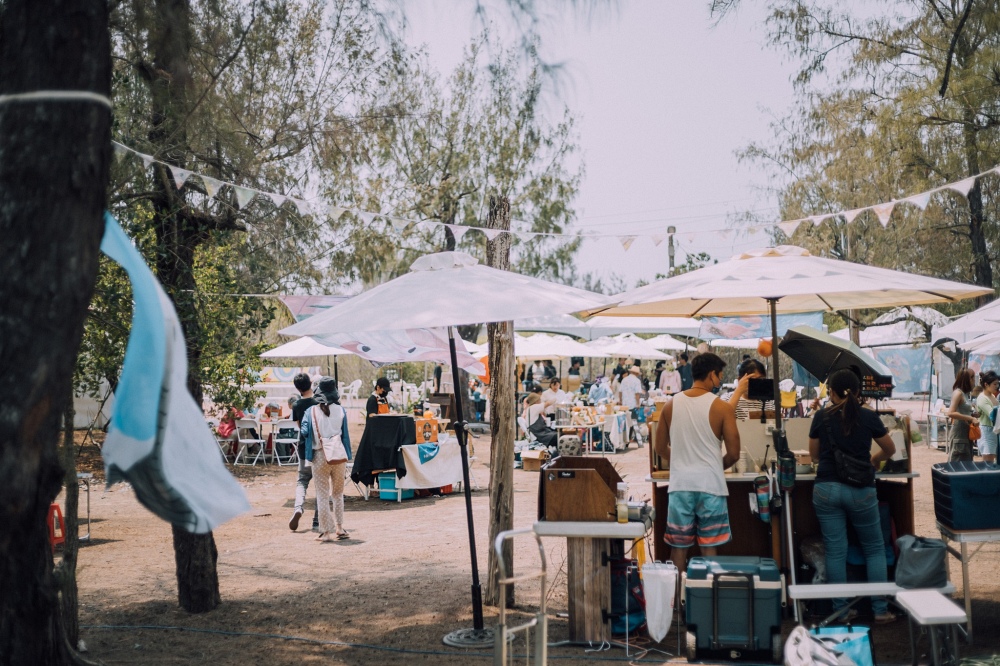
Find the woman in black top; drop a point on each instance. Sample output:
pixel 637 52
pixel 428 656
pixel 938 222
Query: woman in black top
pixel 837 504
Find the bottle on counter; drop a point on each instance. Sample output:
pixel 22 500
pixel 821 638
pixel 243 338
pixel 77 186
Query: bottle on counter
pixel 621 502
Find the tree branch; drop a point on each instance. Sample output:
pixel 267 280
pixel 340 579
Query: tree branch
pixel 951 48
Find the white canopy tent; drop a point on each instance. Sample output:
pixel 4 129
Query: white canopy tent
pixel 596 328
pixel 627 346
pixel 983 321
pixel 304 347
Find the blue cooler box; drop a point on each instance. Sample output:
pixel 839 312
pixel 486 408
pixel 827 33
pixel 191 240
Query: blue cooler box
pixel 387 488
pixel 967 495
pixel 733 604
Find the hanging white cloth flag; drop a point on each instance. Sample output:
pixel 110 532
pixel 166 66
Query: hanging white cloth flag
pixel 399 223
pixel 491 234
pixel 366 217
pixel 276 199
pixel 244 195
pixel 724 234
pixel 120 150
pixel 180 175
pixel 851 215
pixel 657 239
pixel 211 185
pixel 789 227
pixel 884 211
pixel 819 219
pixel 303 206
pixel 457 230
pixel 963 186
pixel 920 200
pixel 147 160
pixel 335 213
pixel 626 241
pixel 158 439
pixel 524 236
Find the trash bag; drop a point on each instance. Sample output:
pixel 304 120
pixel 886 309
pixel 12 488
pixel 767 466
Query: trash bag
pixel 659 581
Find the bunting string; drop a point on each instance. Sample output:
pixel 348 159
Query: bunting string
pixel 247 195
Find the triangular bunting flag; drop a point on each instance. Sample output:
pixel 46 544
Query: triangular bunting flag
pixel 884 212
pixel 304 207
pixel 724 234
pixel 819 219
pixel 180 175
pixel 211 185
pixel 399 223
pixel 120 150
pixel 276 199
pixel 525 236
pixel 962 186
pixel 366 217
pixel 491 234
pixel 657 239
pixel 244 195
pixel 850 215
pixel 147 160
pixel 789 227
pixel 626 241
pixel 457 230
pixel 335 212
pixel 920 200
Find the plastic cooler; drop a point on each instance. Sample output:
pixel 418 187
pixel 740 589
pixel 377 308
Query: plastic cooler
pixel 966 495
pixel 387 489
pixel 733 604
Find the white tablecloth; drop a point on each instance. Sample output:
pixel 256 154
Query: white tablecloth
pixel 444 469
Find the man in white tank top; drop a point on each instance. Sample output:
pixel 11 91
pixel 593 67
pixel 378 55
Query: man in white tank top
pixel 692 427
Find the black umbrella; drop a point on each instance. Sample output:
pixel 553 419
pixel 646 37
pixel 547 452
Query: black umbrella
pixel 820 354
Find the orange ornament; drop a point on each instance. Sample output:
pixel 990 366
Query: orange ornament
pixel 764 347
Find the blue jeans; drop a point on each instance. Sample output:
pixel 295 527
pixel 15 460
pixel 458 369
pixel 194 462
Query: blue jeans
pixel 837 504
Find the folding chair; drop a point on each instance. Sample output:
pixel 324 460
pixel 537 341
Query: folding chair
pixel 248 444
pixel 363 490
pixel 225 444
pixel 285 443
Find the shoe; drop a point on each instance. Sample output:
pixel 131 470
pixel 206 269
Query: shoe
pixel 293 524
pixel 887 617
pixel 343 535
pixel 324 537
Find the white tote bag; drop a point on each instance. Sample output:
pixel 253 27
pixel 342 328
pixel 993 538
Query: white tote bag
pixel 659 580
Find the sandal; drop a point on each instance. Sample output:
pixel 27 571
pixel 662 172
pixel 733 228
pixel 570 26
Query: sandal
pixel 886 618
pixel 343 535
pixel 324 537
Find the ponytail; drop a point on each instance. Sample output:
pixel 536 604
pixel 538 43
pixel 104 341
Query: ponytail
pixel 846 385
pixel 325 407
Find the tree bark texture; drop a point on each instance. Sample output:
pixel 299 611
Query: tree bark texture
pixel 179 232
pixel 503 399
pixel 54 168
pixel 982 266
pixel 66 571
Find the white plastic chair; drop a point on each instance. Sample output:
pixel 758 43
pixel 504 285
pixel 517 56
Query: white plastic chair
pixel 351 393
pixel 225 444
pixel 248 444
pixel 290 443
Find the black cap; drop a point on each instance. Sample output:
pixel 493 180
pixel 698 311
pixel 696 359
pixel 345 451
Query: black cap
pixel 382 382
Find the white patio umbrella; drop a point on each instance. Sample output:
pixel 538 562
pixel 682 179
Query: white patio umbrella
pixel 739 343
pixel 783 279
pixel 305 347
pixel 596 328
pixel 541 346
pixel 667 342
pixel 451 289
pixel 984 344
pixel 628 346
pixel 982 321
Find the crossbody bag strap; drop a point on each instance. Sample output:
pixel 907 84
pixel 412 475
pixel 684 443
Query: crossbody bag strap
pixel 317 435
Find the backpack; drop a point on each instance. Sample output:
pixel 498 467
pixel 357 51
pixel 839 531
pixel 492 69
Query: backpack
pixel 626 591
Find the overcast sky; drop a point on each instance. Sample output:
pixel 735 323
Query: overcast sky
pixel 663 100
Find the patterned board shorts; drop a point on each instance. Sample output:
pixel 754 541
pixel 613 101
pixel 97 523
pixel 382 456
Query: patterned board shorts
pixel 692 513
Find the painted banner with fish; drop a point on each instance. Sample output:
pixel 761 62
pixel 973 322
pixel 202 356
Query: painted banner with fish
pixel 739 328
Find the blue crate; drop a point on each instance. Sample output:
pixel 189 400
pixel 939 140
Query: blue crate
pixel 387 488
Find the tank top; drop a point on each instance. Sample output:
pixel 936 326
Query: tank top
pixel 960 429
pixel 695 451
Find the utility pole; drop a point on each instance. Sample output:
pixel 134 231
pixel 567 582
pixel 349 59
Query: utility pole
pixel 671 230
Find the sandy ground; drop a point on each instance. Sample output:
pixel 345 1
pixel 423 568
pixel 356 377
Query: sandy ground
pixel 386 596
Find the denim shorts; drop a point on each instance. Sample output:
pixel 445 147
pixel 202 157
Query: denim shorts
pixel 988 442
pixel 692 513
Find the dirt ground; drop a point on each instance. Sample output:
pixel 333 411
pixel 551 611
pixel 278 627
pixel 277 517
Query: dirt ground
pixel 386 596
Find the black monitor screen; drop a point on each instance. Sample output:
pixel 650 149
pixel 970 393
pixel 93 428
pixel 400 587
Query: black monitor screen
pixel 876 386
pixel 760 389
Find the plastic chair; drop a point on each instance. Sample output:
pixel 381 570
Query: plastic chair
pixel 285 449
pixel 248 444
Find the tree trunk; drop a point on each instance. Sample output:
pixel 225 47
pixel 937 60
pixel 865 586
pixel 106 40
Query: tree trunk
pixel 503 397
pixel 54 164
pixel 197 577
pixel 982 268
pixel 66 571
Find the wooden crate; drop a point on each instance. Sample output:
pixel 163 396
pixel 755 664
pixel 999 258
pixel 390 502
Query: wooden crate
pixel 578 488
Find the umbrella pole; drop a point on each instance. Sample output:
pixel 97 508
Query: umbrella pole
pixel 336 372
pixel 477 592
pixel 773 302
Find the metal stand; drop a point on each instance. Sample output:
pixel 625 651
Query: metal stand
pixel 504 634
pixel 964 538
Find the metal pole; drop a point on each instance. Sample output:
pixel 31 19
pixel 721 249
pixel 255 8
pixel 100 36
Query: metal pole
pixel 477 592
pixel 774 365
pixel 336 372
pixel 670 249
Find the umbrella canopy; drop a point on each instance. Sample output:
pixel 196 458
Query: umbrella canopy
pixel 739 343
pixel 789 275
pixel 628 346
pixel 663 342
pixel 820 353
pixel 303 347
pixel 448 289
pixel 987 344
pixel 978 322
pixel 542 346
pixel 596 328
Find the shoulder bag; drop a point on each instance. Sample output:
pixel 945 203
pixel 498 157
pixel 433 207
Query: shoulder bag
pixel 922 562
pixel 975 432
pixel 857 472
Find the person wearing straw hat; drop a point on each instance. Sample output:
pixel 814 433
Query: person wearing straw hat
pixel 328 443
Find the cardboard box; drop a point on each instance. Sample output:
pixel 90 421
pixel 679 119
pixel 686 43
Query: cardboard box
pixel 578 488
pixel 532 461
pixel 427 430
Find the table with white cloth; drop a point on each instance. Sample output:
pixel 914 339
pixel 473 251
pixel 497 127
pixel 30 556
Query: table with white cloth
pixel 617 428
pixel 431 465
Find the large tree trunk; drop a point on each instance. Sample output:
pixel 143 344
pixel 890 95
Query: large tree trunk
pixel 54 164
pixel 981 264
pixel 503 398
pixel 66 571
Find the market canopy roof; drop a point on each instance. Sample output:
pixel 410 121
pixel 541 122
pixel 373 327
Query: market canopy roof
pixel 627 346
pixel 600 327
pixel 542 346
pixel 303 347
pixel 663 342
pixel 798 280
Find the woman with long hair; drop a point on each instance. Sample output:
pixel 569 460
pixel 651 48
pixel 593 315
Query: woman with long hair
pixel 962 412
pixel 851 429
pixel 328 445
pixel 986 403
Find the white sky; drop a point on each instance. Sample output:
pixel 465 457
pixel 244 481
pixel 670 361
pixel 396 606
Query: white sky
pixel 662 99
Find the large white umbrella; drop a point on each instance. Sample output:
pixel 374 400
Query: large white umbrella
pixel 541 346
pixel 667 342
pixel 982 321
pixel 450 289
pixel 783 279
pixel 305 347
pixel 628 346
pixel 596 328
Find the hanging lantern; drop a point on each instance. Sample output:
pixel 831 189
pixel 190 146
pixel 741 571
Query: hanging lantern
pixel 764 347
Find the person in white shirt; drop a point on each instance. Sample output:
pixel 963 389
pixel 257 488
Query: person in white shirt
pixel 670 381
pixel 537 372
pixel 631 388
pixel 551 397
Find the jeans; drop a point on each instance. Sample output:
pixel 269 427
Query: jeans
pixel 837 504
pixel 302 483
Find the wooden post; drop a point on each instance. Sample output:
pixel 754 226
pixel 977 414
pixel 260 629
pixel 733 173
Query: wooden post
pixel 503 396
